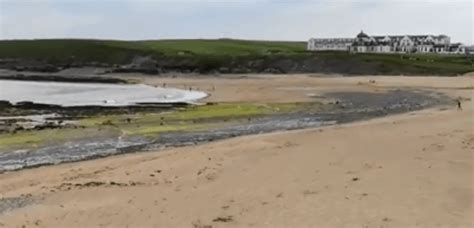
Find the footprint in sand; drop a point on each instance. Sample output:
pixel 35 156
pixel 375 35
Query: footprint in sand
pixel 198 224
pixel 435 147
pixel 208 173
pixel 310 192
pixel 468 142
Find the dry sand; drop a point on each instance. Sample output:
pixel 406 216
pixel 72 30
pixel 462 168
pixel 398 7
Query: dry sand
pixel 408 170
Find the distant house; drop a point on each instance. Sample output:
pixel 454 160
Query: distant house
pixel 469 49
pixel 459 48
pixel 332 44
pixel 364 43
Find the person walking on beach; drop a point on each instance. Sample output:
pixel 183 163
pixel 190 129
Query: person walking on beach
pixel 458 101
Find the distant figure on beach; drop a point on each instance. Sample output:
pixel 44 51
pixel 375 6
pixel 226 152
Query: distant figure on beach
pixel 458 101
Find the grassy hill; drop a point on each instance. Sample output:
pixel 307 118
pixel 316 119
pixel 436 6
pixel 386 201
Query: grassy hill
pixel 119 51
pixel 229 56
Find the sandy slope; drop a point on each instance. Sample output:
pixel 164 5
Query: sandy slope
pixel 409 170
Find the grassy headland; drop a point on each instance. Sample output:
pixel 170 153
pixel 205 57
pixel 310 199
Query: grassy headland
pixel 224 56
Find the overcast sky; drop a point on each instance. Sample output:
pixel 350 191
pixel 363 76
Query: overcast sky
pixel 243 19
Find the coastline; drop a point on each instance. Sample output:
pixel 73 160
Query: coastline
pixel 350 107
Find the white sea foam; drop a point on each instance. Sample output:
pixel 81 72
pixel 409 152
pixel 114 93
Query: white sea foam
pixel 86 94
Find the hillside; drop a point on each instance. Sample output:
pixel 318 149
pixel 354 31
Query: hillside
pixel 216 56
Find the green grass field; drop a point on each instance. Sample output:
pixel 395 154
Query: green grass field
pixel 120 51
pixel 208 55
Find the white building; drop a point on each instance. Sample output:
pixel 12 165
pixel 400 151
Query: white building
pixel 469 49
pixel 401 44
pixel 333 44
pixel 364 43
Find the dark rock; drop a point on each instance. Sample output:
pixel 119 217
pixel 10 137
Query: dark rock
pixel 47 125
pixel 241 70
pixel 63 78
pixel 5 104
pixel 223 219
pixel 224 70
pixel 141 64
pixel 272 71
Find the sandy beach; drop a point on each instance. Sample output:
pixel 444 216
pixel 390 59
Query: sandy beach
pixel 407 170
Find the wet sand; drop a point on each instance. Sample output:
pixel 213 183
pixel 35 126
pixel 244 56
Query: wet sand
pixel 407 170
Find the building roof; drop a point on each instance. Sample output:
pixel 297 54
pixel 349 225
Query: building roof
pixel 362 35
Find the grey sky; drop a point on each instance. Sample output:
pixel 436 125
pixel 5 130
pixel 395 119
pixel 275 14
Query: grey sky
pixel 244 19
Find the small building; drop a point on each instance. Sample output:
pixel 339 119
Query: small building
pixel 458 48
pixel 333 44
pixel 469 50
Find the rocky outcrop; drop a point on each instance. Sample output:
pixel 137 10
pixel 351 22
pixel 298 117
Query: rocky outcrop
pixel 28 65
pixel 63 78
pixel 140 64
